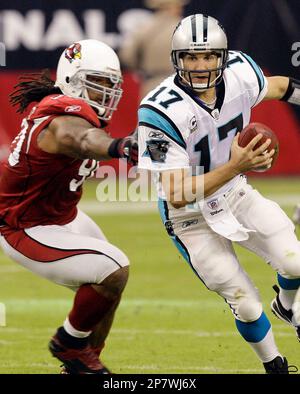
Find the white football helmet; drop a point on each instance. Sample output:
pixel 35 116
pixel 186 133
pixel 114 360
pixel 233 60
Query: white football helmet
pixel 194 34
pixel 91 58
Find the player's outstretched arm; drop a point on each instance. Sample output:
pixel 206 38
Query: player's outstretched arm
pixel 277 87
pixel 182 189
pixel 283 88
pixel 75 137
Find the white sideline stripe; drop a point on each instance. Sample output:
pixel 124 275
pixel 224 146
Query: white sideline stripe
pixel 62 302
pixel 22 365
pixel 192 368
pixel 200 334
pixel 116 207
pixel 5 343
pixel 132 333
pixel 17 303
pixel 152 368
pixel 7 269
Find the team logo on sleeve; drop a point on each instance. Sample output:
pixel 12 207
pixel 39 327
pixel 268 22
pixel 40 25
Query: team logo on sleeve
pixel 157 150
pixel 73 52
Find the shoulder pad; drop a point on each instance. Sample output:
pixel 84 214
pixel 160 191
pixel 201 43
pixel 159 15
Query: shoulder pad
pixel 65 105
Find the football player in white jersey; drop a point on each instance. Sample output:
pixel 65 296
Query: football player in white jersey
pixel 191 121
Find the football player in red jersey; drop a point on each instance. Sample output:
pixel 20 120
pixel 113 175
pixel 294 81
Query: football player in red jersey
pixel 58 147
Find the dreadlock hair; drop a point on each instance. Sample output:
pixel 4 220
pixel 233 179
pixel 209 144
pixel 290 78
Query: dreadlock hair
pixel 31 88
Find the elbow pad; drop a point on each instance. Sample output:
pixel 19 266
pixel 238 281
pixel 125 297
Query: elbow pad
pixel 292 94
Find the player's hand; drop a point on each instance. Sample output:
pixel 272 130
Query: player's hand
pixel 128 149
pixel 246 159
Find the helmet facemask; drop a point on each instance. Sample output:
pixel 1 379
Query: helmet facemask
pixel 186 75
pixel 108 97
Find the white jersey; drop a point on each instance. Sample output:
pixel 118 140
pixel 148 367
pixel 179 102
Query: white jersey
pixel 197 135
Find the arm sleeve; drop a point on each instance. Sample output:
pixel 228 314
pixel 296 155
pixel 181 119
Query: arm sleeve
pixel 152 158
pixel 161 144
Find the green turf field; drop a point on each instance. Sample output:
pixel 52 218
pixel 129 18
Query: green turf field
pixel 168 322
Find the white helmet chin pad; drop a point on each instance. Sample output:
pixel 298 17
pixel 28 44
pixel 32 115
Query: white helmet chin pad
pixel 91 58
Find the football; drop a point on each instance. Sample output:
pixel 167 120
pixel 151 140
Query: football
pixel 250 131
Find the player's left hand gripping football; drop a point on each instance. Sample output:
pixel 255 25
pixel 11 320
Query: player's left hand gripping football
pixel 126 148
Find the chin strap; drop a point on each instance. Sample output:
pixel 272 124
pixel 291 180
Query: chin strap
pixel 292 94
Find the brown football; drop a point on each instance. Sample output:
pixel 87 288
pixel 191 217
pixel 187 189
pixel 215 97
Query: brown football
pixel 250 131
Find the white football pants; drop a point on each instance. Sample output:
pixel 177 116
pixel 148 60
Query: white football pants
pixel 69 255
pixel 214 261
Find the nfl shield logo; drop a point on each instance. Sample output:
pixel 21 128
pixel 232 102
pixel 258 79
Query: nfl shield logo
pixel 213 204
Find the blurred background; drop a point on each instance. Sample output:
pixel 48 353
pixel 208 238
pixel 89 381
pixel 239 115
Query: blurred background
pixel 35 32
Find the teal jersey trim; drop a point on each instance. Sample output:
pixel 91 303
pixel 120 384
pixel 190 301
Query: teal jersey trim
pixel 152 117
pixel 164 213
pixel 259 74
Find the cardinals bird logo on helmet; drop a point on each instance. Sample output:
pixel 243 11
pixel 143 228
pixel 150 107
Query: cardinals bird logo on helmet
pixel 73 52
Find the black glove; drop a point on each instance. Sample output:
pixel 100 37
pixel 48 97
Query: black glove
pixel 126 148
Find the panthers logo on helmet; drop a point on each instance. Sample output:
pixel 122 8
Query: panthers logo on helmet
pixel 73 52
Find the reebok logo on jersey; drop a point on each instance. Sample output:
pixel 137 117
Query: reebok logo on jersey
pixel 188 223
pixel 73 108
pixel 156 134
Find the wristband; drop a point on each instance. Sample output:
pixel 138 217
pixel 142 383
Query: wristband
pixel 113 149
pixel 292 94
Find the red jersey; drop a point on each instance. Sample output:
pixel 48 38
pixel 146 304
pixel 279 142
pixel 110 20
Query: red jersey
pixel 39 188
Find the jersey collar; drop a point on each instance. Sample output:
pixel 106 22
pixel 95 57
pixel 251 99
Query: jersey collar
pixel 220 91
